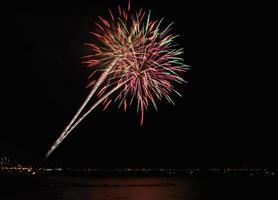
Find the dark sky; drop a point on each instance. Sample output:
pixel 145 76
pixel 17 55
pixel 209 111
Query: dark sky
pixel 223 119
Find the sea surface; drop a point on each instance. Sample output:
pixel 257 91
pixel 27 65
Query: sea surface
pixel 136 188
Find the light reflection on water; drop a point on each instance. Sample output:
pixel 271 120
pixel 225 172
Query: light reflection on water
pixel 73 188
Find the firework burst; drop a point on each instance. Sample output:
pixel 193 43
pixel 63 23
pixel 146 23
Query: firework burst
pixel 134 59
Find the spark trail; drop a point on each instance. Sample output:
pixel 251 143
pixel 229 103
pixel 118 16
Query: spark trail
pixel 65 132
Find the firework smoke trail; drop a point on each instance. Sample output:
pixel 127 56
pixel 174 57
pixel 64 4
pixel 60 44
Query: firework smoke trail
pixel 133 53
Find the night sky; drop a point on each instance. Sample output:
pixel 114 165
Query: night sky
pixel 223 119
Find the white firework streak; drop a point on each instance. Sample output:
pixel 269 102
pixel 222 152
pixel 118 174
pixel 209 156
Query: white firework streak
pixel 65 133
pixel 93 107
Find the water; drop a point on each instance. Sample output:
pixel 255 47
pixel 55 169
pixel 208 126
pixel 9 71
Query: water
pixel 86 188
pixel 140 188
pixel 122 189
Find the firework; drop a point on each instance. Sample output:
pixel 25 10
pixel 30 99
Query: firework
pixel 134 60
